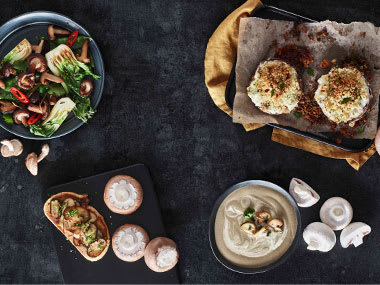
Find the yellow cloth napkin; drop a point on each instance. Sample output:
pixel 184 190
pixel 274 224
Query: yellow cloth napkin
pixel 219 60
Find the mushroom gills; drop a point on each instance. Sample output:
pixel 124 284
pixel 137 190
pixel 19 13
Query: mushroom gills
pixel 353 234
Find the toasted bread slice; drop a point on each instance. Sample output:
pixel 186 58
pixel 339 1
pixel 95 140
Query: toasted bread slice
pixel 82 224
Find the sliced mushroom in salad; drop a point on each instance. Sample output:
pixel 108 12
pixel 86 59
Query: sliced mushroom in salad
pixel 41 84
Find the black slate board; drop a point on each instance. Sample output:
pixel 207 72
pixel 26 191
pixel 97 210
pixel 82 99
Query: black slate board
pixel 76 269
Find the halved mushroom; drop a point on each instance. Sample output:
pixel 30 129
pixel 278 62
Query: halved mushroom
pixel 319 236
pixel 54 209
pixel 56 31
pixel 336 212
pixel 70 202
pixel 83 57
pixel 42 108
pixel 96 248
pixel 44 152
pixel 31 163
pixel 262 216
pixel 76 214
pixel 6 106
pixel 11 148
pixel 304 195
pixel 36 62
pixel 86 87
pixel 46 77
pixel 353 234
pixel 8 70
pixel 21 116
pixel 276 224
pixel 26 80
pixel 377 141
pixel 261 231
pixel 38 48
pixel 2 84
pixel 248 227
pixel 93 218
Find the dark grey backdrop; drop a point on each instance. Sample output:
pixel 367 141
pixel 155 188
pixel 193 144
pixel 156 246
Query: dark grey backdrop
pixel 156 110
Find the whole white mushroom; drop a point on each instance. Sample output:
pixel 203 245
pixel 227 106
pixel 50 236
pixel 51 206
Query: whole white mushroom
pixel 304 195
pixel 336 212
pixel 353 234
pixel 319 237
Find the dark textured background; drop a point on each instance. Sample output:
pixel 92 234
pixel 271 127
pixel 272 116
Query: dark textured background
pixel 156 110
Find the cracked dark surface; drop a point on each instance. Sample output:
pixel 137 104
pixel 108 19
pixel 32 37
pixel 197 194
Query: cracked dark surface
pixel 156 110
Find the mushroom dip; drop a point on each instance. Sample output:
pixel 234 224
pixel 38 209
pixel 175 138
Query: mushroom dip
pixel 264 245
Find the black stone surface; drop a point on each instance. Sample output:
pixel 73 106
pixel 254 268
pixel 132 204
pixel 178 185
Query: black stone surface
pixel 156 110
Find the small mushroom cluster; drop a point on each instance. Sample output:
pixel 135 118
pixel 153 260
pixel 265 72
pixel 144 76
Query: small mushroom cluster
pixel 261 223
pixel 336 214
pixel 14 147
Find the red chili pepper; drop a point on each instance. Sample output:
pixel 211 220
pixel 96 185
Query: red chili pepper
pixel 34 118
pixel 72 38
pixel 19 95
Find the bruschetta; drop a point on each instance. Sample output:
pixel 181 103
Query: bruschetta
pixel 82 224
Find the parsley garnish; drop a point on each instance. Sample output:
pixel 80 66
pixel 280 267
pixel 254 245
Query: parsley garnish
pixel 345 100
pixel 298 115
pixel 8 118
pixel 248 213
pixel 310 71
pixel 272 93
pixel 72 213
pixel 268 233
pixel 361 130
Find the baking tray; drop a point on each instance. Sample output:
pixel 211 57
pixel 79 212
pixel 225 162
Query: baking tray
pixel 110 270
pixel 347 144
pixel 214 247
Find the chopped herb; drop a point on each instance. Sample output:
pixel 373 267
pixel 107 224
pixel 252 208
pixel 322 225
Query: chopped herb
pixel 310 71
pixel 268 233
pixel 298 115
pixel 62 207
pixel 40 230
pixel 259 227
pixel 8 118
pixel 282 84
pixel 272 93
pixel 249 227
pixel 279 231
pixel 345 100
pixel 361 130
pixel 73 212
pixel 100 246
pixel 248 213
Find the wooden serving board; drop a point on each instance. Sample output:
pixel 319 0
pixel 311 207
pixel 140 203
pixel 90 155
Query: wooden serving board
pixel 76 269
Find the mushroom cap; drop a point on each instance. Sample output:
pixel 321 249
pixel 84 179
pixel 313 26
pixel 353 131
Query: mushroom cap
pixel 129 242
pixel 15 144
pixel 31 163
pixel 161 254
pixel 26 80
pixel 123 194
pixel 86 87
pixel 353 234
pixel 37 62
pixel 319 237
pixel 336 212
pixel 303 194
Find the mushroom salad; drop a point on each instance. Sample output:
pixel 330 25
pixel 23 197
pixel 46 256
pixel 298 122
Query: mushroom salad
pixel 41 84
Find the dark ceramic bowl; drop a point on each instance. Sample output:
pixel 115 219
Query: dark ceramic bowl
pixel 276 263
pixel 35 24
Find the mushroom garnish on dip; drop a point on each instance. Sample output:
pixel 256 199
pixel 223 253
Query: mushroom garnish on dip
pixel 319 237
pixel 129 242
pixel 123 194
pixel 304 195
pixel 275 87
pixel 343 95
pixel 161 254
pixel 353 234
pixel 336 212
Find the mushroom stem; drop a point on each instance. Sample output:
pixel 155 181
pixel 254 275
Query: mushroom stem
pixel 357 241
pixel 46 76
pixel 38 48
pixel 44 152
pixel 313 245
pixel 83 57
pixel 52 32
pixel 9 144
